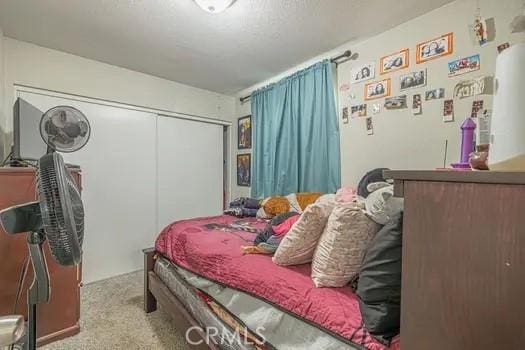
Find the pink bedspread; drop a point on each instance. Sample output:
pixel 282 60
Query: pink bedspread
pixel 210 247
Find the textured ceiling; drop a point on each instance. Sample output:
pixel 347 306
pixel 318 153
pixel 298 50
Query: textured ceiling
pixel 174 39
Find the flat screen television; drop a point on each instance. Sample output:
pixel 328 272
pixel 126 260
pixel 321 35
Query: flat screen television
pixel 27 142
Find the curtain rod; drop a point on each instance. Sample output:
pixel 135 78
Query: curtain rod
pixel 347 55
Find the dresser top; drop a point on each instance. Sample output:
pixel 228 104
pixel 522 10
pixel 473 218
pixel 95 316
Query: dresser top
pixel 491 177
pixel 26 170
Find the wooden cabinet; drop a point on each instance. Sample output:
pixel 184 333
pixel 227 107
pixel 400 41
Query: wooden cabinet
pixel 463 284
pixel 58 318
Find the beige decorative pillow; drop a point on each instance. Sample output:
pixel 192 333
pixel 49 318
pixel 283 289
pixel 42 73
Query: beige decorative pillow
pixel 298 246
pixel 342 246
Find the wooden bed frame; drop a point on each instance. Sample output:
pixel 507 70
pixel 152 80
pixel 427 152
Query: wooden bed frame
pixel 156 292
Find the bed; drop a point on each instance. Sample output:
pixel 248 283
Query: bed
pixel 199 275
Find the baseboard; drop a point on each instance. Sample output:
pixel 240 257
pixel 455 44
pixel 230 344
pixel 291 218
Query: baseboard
pixel 61 334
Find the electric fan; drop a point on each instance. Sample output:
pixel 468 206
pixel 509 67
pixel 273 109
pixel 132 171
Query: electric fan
pixel 58 215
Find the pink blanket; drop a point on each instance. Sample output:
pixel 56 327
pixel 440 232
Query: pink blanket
pixel 210 247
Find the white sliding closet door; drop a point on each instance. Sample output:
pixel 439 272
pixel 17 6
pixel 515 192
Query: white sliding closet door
pixel 190 169
pixel 119 185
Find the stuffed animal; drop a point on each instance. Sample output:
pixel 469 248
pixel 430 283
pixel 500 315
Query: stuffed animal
pixel 381 205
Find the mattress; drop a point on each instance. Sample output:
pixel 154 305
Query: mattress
pixel 210 248
pixel 279 329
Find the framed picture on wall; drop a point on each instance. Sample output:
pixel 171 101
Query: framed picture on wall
pixel 435 48
pixel 393 62
pixel 244 132
pixel 244 175
pixel 363 72
pixel 377 89
pixel 413 80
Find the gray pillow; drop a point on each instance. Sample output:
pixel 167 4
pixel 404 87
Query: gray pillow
pixel 379 285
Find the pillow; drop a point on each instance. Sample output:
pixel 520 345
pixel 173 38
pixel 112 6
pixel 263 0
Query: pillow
pixel 298 246
pixel 326 198
pixel 276 205
pixel 381 205
pixel 342 246
pixel 346 194
pixel 379 285
pixel 375 175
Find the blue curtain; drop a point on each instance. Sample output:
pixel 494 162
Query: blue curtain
pixel 296 141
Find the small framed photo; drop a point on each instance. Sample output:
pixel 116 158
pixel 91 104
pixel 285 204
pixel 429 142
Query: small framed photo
pixel 395 61
pixel 244 132
pixel 464 65
pixel 369 126
pixel 413 80
pixel 244 169
pixel 397 102
pixel 363 72
pixel 358 111
pixel 435 94
pixel 448 111
pixel 377 89
pixel 437 47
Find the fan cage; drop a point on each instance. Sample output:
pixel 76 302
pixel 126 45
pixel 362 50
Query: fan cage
pixel 61 208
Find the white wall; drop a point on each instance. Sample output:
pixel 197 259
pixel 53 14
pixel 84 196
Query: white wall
pixel 401 140
pixel 35 66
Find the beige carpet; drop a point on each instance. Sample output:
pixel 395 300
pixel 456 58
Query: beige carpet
pixel 112 318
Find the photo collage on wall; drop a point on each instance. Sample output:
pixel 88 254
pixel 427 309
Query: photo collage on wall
pixel 244 142
pixel 412 83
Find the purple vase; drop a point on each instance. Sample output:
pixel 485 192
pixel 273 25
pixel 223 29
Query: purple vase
pixel 467 144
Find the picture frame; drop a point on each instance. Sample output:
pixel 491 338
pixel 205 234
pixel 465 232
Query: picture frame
pixel 464 65
pixel 377 89
pixel 244 169
pixel 413 80
pixel 393 62
pixel 244 132
pixel 363 72
pixel 396 102
pixel 358 111
pixel 435 94
pixel 438 47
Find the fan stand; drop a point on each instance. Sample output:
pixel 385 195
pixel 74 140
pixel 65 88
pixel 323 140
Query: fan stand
pixel 39 291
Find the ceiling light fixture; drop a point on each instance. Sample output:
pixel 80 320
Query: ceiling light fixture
pixel 214 6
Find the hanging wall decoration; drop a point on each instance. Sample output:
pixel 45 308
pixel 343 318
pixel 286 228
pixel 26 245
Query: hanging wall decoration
pixel 503 47
pixel 464 65
pixel 437 47
pixel 377 89
pixel 417 107
pixel 376 108
pixel 345 115
pixel 477 86
pixel 244 132
pixel 477 106
pixel 359 111
pixel 244 169
pixel 369 126
pixel 413 80
pixel 393 62
pixel 435 94
pixel 363 72
pixel 397 102
pixel 448 111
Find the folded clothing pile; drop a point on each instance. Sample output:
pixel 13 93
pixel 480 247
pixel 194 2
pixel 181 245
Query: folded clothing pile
pixel 268 240
pixel 243 207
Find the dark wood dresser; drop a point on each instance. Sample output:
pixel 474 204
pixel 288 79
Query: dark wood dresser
pixel 463 284
pixel 58 318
